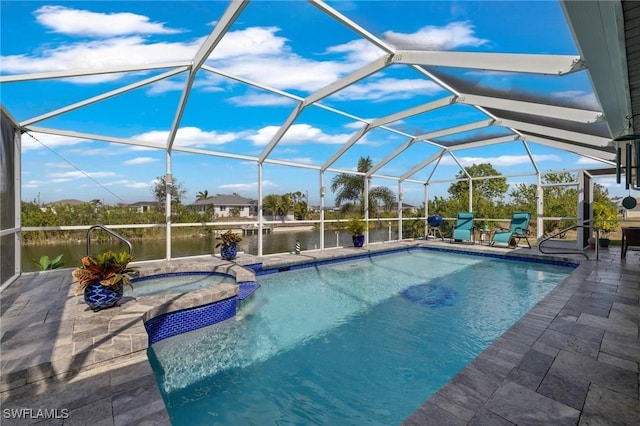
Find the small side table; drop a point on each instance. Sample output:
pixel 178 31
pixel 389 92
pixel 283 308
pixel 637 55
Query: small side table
pixel 485 236
pixel 630 237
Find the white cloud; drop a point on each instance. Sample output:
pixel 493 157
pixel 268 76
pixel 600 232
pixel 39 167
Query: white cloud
pixel 256 99
pixel 164 86
pixel 239 186
pixel 137 185
pixel 246 186
pixel 76 174
pixel 140 160
pixel 355 125
pixel 51 141
pixel 33 184
pixel 255 53
pixel 125 51
pixel 502 160
pixel 388 88
pixel 78 22
pixel 256 41
pixel 590 161
pixel 489 73
pixel 145 148
pixel 584 99
pixel 109 151
pixel 190 136
pixel 568 94
pixel 608 182
pixel 236 48
pixel 287 71
pixel 449 37
pixel 303 160
pixel 58 165
pixel 297 134
pixel 130 184
pixel 358 51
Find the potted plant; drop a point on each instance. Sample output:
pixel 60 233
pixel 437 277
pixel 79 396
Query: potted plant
pixel 605 219
pixel 357 227
pixel 227 243
pixel 102 278
pixel 45 264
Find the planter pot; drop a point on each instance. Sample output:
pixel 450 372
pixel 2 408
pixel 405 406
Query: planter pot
pixel 604 242
pixel 358 240
pixel 228 252
pixel 100 297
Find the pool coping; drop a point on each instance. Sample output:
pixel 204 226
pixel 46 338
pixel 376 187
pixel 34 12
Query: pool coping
pixel 568 360
pixel 109 336
pixel 432 409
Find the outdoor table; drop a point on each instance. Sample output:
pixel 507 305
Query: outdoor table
pixel 630 237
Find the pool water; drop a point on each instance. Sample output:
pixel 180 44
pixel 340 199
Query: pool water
pixel 176 283
pixel 359 342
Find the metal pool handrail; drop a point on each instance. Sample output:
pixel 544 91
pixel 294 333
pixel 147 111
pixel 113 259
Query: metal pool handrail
pixel 109 231
pixel 576 251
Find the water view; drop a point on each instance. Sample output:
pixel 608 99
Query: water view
pixel 148 249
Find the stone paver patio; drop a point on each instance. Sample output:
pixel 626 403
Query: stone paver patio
pixel 572 359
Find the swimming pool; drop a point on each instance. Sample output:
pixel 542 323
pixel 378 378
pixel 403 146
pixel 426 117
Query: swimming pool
pixel 176 283
pixel 359 342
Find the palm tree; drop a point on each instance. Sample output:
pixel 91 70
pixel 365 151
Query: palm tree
pixel 277 205
pixel 348 187
pixel 202 195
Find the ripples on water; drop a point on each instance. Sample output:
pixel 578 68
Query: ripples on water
pixel 340 344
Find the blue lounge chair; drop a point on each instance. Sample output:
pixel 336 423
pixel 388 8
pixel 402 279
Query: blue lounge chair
pixel 463 230
pixel 518 230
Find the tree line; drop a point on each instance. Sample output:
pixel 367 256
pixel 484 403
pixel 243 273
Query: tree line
pixel 489 202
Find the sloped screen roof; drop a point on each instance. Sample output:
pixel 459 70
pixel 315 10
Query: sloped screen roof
pixel 307 84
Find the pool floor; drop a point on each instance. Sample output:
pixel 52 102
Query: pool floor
pixel 326 344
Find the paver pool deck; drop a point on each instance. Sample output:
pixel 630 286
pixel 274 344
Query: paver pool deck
pixel 572 359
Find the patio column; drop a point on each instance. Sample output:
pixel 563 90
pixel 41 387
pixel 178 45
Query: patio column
pixel 168 185
pixel 260 224
pixel 585 210
pixel 11 204
pixel 426 209
pixel 400 197
pixel 322 193
pixel 539 207
pixel 366 210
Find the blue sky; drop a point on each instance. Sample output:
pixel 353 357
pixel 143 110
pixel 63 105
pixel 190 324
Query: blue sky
pixel 288 46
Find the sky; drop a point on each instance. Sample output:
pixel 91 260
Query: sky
pixel 289 47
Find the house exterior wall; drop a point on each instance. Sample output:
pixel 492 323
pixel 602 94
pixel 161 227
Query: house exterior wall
pixel 224 211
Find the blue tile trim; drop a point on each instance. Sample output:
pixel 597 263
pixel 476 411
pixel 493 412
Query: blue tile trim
pixel 178 322
pixel 408 249
pixel 255 267
pixel 247 288
pixel 508 257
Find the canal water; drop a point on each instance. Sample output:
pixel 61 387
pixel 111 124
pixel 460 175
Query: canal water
pixel 149 249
